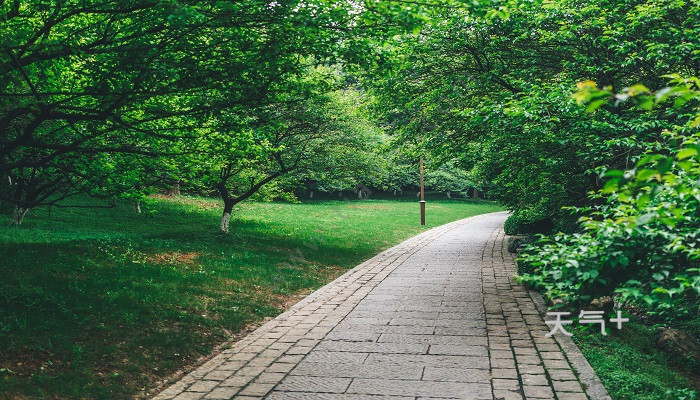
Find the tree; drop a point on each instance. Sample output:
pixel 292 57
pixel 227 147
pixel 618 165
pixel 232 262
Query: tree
pixel 104 79
pixel 310 129
pixel 496 93
pixel 640 243
pixel 448 178
pixel 352 162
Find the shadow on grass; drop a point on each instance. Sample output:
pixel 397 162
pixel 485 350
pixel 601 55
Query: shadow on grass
pixel 101 303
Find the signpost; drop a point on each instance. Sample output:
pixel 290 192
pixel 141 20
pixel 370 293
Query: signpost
pixel 422 194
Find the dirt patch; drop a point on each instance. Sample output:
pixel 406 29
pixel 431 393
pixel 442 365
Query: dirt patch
pixel 24 363
pixel 173 257
pixel 201 203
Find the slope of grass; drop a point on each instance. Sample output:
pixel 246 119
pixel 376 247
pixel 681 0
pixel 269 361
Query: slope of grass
pixel 104 304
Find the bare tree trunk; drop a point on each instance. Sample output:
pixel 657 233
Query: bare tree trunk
pixel 449 195
pixel 311 194
pixel 226 217
pixel 476 193
pixel 137 207
pixel 18 215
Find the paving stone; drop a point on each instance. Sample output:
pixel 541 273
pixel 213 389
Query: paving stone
pixel 537 392
pixel 532 379
pixel 328 369
pixel 571 396
pixel 437 339
pixel 443 374
pixel 329 396
pixel 501 354
pixel 502 363
pixel 432 360
pixel 367 347
pixel 314 384
pixel 531 369
pixel 257 389
pixel 505 384
pixel 435 317
pixel 534 360
pixel 504 373
pixel 218 375
pixel 280 367
pixel 556 364
pixel 237 381
pixel 561 375
pixel 567 386
pixel 506 395
pixel 189 396
pixel 203 386
pixel 463 350
pixel 270 377
pixel 551 355
pixel 222 393
pixel 336 357
pixel 420 388
pixel 525 351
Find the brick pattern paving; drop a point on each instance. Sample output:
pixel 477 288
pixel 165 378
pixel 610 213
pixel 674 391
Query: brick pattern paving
pixel 524 362
pixel 436 317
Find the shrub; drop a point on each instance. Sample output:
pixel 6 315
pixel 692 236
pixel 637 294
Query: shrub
pixel 642 245
pixel 527 221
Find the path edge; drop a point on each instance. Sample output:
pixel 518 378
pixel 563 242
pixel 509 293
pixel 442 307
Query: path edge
pixel 592 384
pixel 218 356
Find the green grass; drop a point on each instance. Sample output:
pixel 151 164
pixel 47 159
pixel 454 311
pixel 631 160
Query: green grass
pixel 632 367
pixel 102 303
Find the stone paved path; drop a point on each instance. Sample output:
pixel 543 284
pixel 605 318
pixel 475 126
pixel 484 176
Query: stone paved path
pixel 436 317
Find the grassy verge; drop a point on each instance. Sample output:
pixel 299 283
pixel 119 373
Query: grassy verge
pixel 633 367
pixel 103 304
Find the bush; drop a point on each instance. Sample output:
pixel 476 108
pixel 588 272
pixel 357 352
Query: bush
pixel 527 221
pixel 643 245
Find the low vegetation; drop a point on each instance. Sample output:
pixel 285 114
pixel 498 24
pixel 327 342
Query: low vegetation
pixel 632 366
pixel 104 304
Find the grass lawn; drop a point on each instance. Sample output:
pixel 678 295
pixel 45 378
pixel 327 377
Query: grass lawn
pixel 105 303
pixel 632 367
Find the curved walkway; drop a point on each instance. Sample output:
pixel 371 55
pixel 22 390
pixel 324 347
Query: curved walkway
pixel 436 317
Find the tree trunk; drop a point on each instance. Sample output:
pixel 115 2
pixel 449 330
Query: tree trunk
pixel 311 194
pixel 226 217
pixel 394 192
pixel 173 191
pixel 18 215
pixel 476 193
pixel 449 195
pixel 137 207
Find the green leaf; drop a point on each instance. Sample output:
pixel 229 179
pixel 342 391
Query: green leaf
pixel 645 174
pixel 594 105
pixel 612 185
pixel 687 153
pixel 644 102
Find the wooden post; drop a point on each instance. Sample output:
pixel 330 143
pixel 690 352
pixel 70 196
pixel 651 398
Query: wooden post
pixel 422 194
